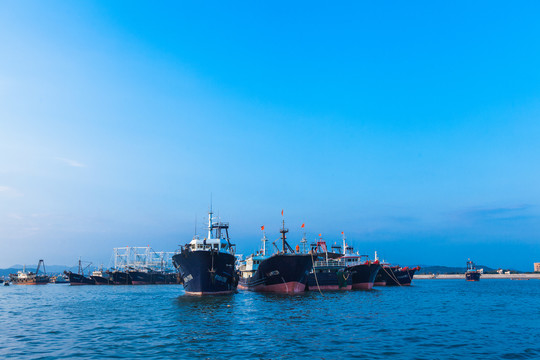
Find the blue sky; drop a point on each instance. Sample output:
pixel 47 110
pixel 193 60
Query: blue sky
pixel 413 127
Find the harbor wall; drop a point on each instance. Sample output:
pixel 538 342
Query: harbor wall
pixel 483 276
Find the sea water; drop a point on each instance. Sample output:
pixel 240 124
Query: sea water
pixel 433 319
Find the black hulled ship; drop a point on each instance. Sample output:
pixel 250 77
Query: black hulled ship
pixel 207 266
pixel 472 274
pixel 283 272
pixel 395 275
pixel 79 278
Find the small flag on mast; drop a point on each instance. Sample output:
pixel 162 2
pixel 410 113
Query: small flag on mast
pixel 320 235
pixel 262 228
pixel 281 212
pixel 302 225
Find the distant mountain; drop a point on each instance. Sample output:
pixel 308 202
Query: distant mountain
pixel 438 269
pixel 51 269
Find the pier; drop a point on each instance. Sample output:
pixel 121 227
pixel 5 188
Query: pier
pixel 484 276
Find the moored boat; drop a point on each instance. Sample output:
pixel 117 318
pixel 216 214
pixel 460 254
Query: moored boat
pixel 207 266
pixel 59 279
pixel 29 278
pixel 101 278
pixel 329 272
pixel 396 275
pixel 283 272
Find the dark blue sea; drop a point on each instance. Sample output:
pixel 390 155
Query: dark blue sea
pixel 434 319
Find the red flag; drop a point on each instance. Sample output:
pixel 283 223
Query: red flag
pixel 320 235
pixel 302 225
pixel 342 233
pixel 262 228
pixel 281 212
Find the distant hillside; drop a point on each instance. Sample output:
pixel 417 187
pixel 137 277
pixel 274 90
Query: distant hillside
pixel 437 269
pixel 51 269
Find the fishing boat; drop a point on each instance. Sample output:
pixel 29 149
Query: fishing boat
pixel 206 265
pixel 29 278
pixel 79 278
pixel 329 272
pixel 472 274
pixel 283 272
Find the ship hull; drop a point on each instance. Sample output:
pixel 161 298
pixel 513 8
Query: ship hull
pixel 280 273
pixel 206 272
pixel 329 281
pixel 152 278
pixel 30 282
pixel 472 276
pixel 141 278
pixel 396 277
pixel 363 276
pixel 101 280
pixel 78 279
pixel 121 278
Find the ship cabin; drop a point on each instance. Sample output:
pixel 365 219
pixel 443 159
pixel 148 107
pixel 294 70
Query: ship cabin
pixel 216 240
pixel 251 264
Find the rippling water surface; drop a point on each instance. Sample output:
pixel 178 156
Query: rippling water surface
pixel 434 319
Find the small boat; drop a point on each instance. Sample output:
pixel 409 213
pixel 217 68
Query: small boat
pixel 29 278
pixel 472 274
pixel 59 279
pixel 283 272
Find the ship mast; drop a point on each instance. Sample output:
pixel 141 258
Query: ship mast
pixel 284 244
pixel 210 227
pixel 304 242
pixel 264 240
pixel 344 245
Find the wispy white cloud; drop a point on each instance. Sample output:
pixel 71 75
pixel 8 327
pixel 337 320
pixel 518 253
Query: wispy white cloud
pixel 71 162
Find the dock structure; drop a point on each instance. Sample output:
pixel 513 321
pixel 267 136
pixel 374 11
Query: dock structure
pixel 484 276
pixel 144 257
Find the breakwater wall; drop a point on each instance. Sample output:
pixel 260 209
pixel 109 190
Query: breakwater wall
pixel 484 276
